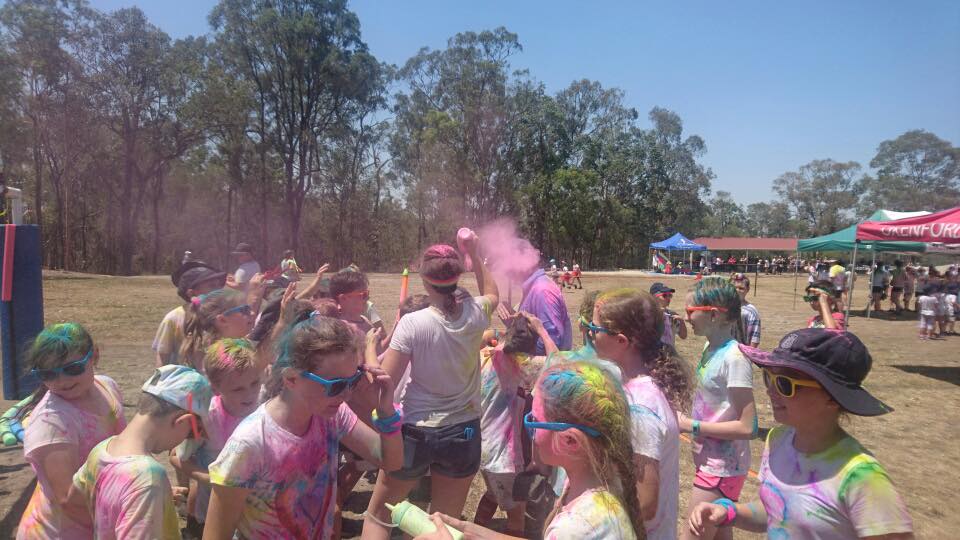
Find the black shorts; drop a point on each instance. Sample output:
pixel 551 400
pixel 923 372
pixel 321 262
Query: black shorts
pixel 897 289
pixel 877 290
pixel 452 451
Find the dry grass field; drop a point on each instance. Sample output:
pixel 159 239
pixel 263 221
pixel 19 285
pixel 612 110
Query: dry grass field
pixel 919 379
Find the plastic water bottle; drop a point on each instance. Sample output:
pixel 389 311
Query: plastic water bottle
pixel 412 520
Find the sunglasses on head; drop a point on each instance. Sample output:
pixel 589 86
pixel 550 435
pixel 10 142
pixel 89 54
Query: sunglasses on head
pixel 245 309
pixel 786 386
pixel 335 387
pixel 70 370
pixel 194 425
pixel 364 295
pixel 692 309
pixel 531 424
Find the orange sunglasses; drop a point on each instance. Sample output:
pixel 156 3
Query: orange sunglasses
pixel 194 426
pixel 692 309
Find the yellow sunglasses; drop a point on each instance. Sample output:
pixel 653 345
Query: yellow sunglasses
pixel 786 386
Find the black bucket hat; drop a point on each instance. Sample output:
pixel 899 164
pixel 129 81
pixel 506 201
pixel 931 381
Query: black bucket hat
pixel 191 274
pixel 837 360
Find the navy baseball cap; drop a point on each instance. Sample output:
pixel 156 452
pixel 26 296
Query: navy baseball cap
pixel 836 359
pixel 660 288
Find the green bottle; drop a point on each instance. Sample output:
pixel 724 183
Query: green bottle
pixel 414 521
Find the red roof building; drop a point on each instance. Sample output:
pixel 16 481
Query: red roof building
pixel 731 243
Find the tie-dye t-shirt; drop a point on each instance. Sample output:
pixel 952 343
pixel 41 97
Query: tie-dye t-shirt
pixel 839 493
pixel 57 421
pixel 500 408
pixel 595 514
pixel 293 479
pixel 129 496
pixel 655 434
pixel 726 368
pixel 218 426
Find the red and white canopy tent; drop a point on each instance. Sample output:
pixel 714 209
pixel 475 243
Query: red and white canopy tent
pixel 938 228
pixel 943 227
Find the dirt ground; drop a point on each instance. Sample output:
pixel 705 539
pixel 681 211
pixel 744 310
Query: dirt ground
pixel 919 379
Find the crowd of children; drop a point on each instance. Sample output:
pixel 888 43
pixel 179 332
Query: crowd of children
pixel 269 407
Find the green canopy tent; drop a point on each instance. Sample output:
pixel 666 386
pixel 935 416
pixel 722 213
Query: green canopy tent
pixel 846 240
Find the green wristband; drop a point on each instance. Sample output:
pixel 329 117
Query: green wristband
pixel 695 428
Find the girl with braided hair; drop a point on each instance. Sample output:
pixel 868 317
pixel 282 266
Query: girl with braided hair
pixel 579 422
pixel 441 403
pixel 626 329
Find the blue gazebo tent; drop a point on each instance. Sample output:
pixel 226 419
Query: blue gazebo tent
pixel 679 242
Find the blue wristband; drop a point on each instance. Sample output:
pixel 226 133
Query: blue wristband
pixel 731 510
pixel 389 424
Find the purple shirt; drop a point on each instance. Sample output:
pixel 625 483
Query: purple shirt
pixel 543 298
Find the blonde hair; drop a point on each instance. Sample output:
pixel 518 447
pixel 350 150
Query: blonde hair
pixel 583 393
pixel 228 355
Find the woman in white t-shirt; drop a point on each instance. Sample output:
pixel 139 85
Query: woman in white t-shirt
pixel 441 403
pixel 816 481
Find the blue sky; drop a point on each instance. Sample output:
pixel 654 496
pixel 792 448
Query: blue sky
pixel 769 85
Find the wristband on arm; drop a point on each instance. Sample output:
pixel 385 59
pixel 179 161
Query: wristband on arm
pixel 731 510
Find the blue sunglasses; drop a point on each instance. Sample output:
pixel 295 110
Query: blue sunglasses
pixel 71 370
pixel 593 330
pixel 245 309
pixel 335 387
pixel 530 422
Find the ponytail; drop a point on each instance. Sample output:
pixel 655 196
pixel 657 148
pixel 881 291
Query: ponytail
pixel 673 377
pixel 199 330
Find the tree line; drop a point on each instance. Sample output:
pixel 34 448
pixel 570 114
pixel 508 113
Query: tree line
pixel 280 128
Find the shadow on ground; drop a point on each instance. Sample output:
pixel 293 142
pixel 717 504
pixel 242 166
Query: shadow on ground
pixel 950 374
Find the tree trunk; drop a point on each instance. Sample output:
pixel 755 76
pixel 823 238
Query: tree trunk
pixel 229 212
pixel 38 176
pixel 155 203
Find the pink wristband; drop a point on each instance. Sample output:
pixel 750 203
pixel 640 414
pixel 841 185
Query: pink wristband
pixel 731 515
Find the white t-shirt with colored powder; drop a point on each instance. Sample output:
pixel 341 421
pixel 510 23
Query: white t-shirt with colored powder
pixel 170 335
pixel 594 515
pixel 839 493
pixel 293 479
pixel 726 368
pixel 129 497
pixel 444 387
pixel 656 435
pixel 56 421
